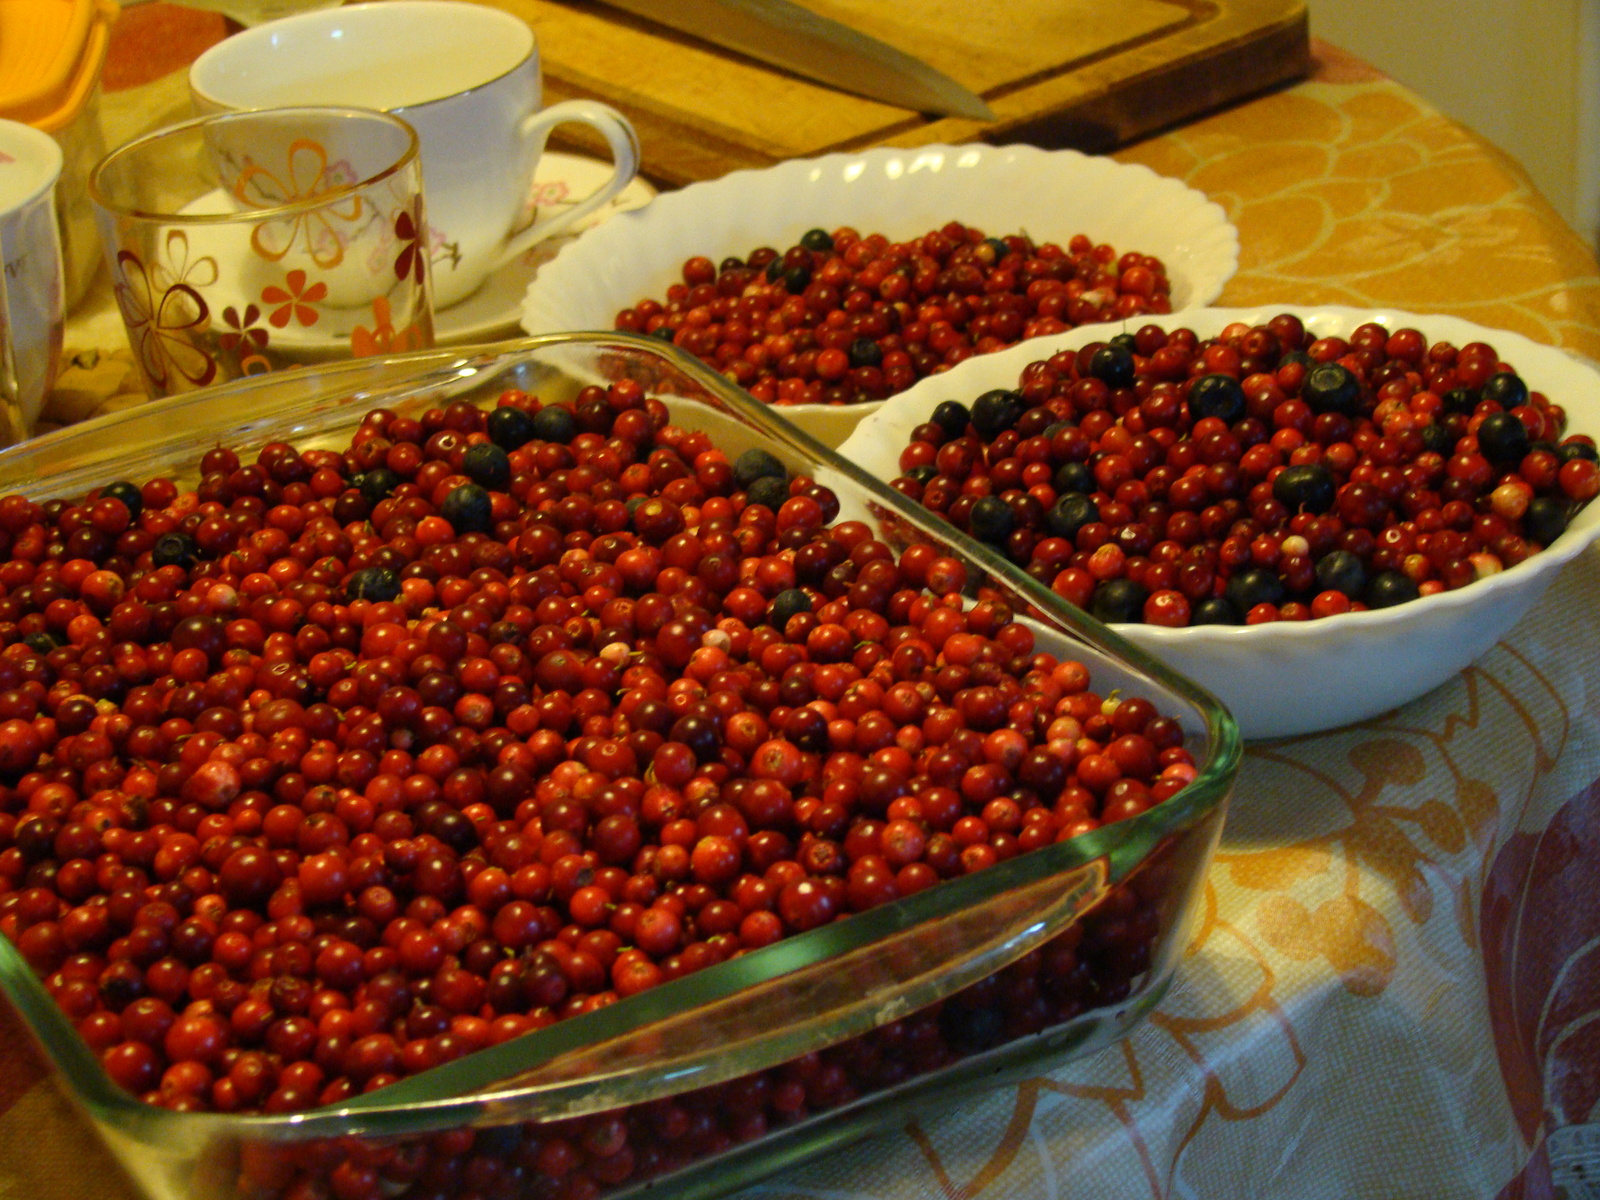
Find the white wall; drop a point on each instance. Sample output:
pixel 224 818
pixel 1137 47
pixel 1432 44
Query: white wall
pixel 1523 73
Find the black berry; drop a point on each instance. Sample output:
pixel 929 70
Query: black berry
pixel 468 509
pixel 175 549
pixel 952 417
pixel 1391 588
pixel 1506 389
pixel 1253 586
pixel 1306 487
pixel 510 428
pixel 757 464
pixel 1331 388
pixel 991 520
pixel 373 583
pixel 1341 571
pixel 769 491
pixel 864 352
pixel 555 424
pixel 996 411
pixel 785 605
pixel 1217 396
pixel 130 496
pixel 1119 601
pixel 1545 520
pixel 1215 610
pixel 1074 477
pixel 376 484
pixel 488 466
pixel 1503 438
pixel 1070 513
pixel 1112 365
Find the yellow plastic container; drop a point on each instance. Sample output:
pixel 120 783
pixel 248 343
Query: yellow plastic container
pixel 51 52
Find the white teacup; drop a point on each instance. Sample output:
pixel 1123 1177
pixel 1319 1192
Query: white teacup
pixel 464 75
pixel 30 251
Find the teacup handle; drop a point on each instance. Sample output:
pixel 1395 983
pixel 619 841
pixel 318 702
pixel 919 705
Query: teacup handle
pixel 619 135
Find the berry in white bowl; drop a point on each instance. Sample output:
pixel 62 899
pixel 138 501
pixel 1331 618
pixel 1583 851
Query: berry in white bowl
pixel 1144 244
pixel 1369 505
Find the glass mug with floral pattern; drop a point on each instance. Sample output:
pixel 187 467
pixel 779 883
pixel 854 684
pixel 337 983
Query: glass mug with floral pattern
pixel 252 241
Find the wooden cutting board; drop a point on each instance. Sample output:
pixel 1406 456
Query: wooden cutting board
pixel 1086 74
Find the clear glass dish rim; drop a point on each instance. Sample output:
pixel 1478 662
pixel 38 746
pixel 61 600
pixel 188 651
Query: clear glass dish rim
pixel 428 1101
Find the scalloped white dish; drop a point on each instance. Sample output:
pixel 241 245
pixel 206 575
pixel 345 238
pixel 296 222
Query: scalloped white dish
pixel 1049 194
pixel 1298 677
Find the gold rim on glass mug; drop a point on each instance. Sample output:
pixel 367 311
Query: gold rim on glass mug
pixel 247 242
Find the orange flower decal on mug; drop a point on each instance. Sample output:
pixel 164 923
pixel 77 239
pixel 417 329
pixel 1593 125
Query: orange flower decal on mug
pixel 307 174
pixel 384 338
pixel 294 299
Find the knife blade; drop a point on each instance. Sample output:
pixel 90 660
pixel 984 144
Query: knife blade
pixel 788 36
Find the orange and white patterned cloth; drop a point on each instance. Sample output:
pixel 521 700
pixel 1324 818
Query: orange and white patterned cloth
pixel 1393 987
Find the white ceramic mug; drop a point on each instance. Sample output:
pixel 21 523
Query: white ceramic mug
pixel 30 249
pixel 464 75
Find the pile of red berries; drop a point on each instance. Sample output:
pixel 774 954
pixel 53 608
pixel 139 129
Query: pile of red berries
pixel 843 318
pixel 1256 476
pixel 344 764
pixel 1092 965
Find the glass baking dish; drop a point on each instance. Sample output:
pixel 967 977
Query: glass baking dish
pixel 1119 899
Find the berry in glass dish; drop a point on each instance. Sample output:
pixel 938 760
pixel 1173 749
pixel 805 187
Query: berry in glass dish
pixel 232 646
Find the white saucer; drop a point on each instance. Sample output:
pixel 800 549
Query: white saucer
pixel 494 311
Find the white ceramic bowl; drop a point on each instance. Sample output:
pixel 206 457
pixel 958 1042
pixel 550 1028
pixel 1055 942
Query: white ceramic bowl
pixel 1049 194
pixel 1294 677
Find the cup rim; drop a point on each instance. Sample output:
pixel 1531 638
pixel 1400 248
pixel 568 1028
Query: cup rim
pixel 48 149
pixel 408 156
pixel 268 32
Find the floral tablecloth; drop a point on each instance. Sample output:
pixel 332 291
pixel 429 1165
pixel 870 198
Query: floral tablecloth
pixel 1393 987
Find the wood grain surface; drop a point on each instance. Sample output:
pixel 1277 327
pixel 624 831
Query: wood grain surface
pixel 1078 73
